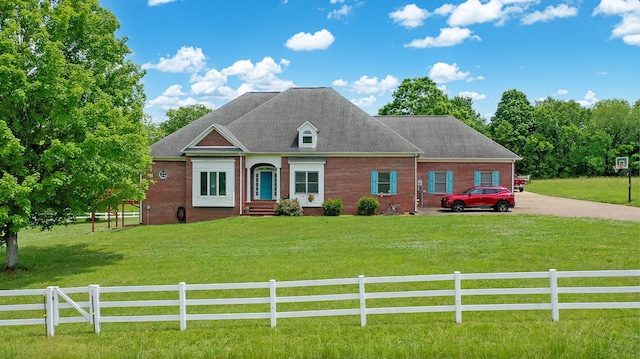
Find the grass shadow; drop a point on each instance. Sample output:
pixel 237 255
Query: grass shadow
pixel 51 264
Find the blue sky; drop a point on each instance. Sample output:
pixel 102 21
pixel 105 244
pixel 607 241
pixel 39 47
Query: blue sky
pixel 209 52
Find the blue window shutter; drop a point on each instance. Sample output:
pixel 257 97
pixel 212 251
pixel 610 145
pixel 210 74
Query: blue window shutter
pixel 374 182
pixel 449 181
pixel 431 187
pixel 476 178
pixel 394 182
pixel 496 178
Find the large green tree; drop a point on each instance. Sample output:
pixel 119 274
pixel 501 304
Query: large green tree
pixel 181 117
pixel 419 96
pixel 512 124
pixel 422 97
pixel 71 132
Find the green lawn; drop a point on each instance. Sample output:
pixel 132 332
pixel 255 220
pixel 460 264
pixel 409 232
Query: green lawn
pixel 613 190
pixel 292 248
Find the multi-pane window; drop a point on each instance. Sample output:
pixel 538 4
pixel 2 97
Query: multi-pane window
pixel 486 178
pixel 440 182
pixel 306 182
pixel 307 137
pixel 384 182
pixel 213 183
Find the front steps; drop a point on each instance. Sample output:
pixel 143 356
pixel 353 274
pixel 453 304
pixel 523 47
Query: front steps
pixel 259 208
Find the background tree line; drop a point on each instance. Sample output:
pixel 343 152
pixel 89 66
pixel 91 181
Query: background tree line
pixel 556 139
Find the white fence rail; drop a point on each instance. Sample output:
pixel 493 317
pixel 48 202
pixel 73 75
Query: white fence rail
pixel 193 302
pixel 105 215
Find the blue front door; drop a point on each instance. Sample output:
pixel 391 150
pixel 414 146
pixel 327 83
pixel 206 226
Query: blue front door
pixel 266 185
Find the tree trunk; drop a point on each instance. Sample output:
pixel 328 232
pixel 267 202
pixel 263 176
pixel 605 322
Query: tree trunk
pixel 11 241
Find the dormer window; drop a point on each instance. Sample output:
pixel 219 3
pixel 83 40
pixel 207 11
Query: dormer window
pixel 307 135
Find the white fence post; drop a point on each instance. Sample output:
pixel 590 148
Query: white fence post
pixel 94 302
pixel 56 306
pixel 183 305
pixel 49 311
pixel 363 304
pixel 555 306
pixel 458 296
pixel 272 301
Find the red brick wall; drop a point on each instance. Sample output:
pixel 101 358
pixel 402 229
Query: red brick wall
pixel 349 178
pixel 214 139
pixel 463 173
pixel 166 195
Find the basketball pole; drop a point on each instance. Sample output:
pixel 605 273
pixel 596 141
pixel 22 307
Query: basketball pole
pixel 629 176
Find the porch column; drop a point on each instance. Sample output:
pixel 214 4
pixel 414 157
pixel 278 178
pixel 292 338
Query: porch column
pixel 278 195
pixel 249 181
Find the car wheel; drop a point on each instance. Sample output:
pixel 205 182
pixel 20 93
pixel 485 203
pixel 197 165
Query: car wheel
pixel 502 206
pixel 521 189
pixel 458 206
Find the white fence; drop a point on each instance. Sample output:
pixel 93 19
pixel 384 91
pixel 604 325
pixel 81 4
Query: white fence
pixel 105 215
pixel 193 302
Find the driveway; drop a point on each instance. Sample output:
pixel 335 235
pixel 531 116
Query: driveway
pixel 533 203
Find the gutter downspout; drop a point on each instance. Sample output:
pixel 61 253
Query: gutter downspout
pixel 415 184
pixel 241 169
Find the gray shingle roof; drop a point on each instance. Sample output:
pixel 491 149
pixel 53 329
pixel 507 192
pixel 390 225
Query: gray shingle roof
pixel 445 137
pixel 268 122
pixel 172 145
pixel 342 126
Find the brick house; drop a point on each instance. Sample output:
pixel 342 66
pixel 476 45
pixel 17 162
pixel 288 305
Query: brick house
pixel 261 147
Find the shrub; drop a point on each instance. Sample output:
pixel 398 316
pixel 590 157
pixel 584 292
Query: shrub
pixel 368 206
pixel 288 207
pixel 332 207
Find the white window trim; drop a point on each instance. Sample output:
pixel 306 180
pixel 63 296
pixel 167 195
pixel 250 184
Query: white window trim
pixel 307 167
pixel 209 165
pixel 305 130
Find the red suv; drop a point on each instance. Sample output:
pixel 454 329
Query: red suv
pixel 496 197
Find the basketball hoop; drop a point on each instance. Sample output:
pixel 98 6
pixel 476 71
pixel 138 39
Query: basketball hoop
pixel 622 163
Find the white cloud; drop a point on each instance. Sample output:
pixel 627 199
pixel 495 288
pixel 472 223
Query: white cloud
pixel 336 1
pixel 629 29
pixel 445 10
pixel 212 84
pixel 443 73
pixel 364 102
pixel 411 16
pixel 550 13
pixel 174 90
pixel 472 95
pixel 340 83
pixel 366 85
pixel 344 10
pixel 616 7
pixel 448 37
pixel 474 12
pixel 320 40
pixel 589 99
pixel 560 93
pixel 159 2
pixel 169 102
pixel 477 78
pixel 187 59
pixel 258 77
